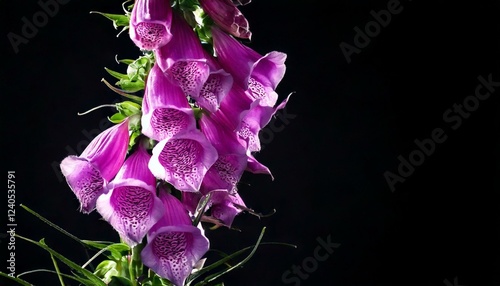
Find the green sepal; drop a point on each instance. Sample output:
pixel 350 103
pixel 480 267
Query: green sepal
pixel 123 93
pixel 128 108
pixel 198 112
pixel 116 75
pixel 126 61
pixel 118 250
pixel 131 86
pixel 125 109
pixel 137 71
pixel 134 128
pixel 133 138
pixel 139 68
pixel 117 118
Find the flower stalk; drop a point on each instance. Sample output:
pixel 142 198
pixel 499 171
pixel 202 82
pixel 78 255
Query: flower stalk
pixel 168 171
pixel 136 266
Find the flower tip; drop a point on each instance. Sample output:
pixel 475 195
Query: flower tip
pixel 69 165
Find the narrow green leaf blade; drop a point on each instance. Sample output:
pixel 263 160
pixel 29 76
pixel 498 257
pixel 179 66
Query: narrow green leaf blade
pixel 76 278
pixel 15 279
pixel 214 276
pixel 91 276
pixel 60 229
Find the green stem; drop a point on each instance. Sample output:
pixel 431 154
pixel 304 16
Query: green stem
pixel 135 267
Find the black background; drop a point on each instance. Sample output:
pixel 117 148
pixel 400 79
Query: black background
pixel 350 123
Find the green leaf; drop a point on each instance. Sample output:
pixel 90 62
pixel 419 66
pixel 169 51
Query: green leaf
pixel 119 20
pixel 56 267
pixel 72 277
pixel 60 229
pixel 117 250
pixel 15 279
pixel 95 280
pixel 97 244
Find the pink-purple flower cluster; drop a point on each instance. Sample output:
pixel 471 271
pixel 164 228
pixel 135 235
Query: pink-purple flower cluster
pixel 200 121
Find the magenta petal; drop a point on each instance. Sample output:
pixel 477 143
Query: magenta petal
pixel 190 201
pixel 84 180
pixel 189 75
pixel 107 150
pixel 225 205
pixel 185 44
pixel 216 129
pixel 256 167
pixel 166 110
pixel 132 208
pixel 98 164
pixel 136 167
pixel 249 133
pixel 175 214
pixel 214 90
pixel 225 173
pixel 131 205
pixel 225 14
pixel 174 245
pixel 183 59
pixel 150 22
pixel 234 106
pixel 265 95
pixel 183 160
pixel 254 120
pixel 243 63
pixel 270 69
pixel 173 251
